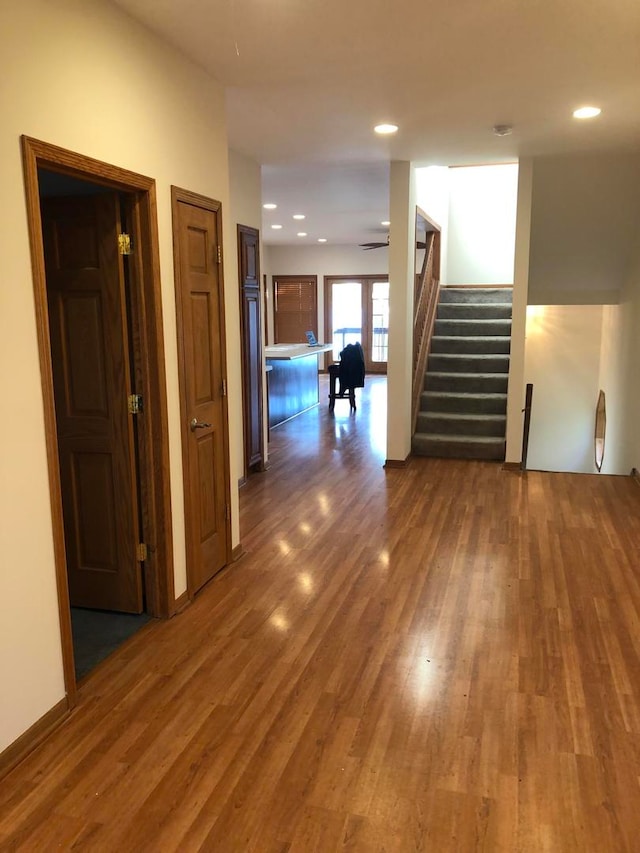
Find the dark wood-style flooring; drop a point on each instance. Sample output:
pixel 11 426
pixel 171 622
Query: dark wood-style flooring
pixel 443 658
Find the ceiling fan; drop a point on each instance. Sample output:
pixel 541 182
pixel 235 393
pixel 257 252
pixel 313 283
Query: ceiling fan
pixel 368 246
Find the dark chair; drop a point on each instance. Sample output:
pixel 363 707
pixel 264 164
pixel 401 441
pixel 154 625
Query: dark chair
pixel 349 372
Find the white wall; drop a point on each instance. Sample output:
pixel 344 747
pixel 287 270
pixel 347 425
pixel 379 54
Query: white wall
pixel 481 226
pixel 245 192
pixel 585 225
pixel 320 260
pixel 612 380
pixel 584 222
pixel 85 77
pixel 574 351
pixel 402 204
pixel 631 301
pixel 432 196
pixel 516 387
pixel 620 360
pixel 563 363
pixel 475 207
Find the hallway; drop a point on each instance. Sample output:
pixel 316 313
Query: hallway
pixel 440 658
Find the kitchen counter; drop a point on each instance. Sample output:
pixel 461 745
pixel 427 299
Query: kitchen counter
pixel 288 352
pixel 293 379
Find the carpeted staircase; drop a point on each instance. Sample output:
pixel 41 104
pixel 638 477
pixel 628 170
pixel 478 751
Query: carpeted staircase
pixel 464 402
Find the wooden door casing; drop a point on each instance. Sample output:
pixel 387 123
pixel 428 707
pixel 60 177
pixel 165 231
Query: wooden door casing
pixel 91 380
pixel 153 429
pixel 200 314
pixel 251 343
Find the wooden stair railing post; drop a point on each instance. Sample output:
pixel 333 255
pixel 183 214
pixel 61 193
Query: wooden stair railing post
pixel 527 424
pixel 425 306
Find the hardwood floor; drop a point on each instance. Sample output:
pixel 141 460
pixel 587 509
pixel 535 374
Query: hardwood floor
pixel 441 658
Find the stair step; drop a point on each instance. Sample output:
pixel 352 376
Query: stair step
pixel 457 423
pixel 475 343
pixel 464 402
pixel 475 294
pixel 474 310
pixel 472 328
pixel 466 383
pixel 479 404
pixel 458 446
pixel 468 363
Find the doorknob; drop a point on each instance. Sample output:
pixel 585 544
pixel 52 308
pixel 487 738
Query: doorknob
pixel 196 424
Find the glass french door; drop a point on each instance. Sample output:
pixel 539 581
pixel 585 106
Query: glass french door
pixel 357 309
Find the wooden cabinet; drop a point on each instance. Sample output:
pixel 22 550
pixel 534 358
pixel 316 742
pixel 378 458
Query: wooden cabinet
pixel 251 344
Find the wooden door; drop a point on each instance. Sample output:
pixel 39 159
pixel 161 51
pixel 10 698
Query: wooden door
pixel 200 311
pixel 91 376
pixel 251 343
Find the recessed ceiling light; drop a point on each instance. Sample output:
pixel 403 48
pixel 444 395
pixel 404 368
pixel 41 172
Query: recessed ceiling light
pixel 385 129
pixel 386 223
pixel 322 239
pixel 587 112
pixel 502 130
pixel 302 234
pixel 298 216
pixel 269 206
pixel 276 227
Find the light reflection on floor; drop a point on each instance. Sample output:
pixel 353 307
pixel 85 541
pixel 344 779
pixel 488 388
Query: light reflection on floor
pixel 370 416
pixel 319 428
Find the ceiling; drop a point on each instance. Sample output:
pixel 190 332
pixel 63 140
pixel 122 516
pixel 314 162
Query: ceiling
pixel 306 81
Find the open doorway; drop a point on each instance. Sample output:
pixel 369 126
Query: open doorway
pixel 93 334
pixel 94 253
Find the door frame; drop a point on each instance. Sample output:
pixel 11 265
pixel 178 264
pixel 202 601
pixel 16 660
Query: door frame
pixel 179 196
pixel 153 432
pixel 365 282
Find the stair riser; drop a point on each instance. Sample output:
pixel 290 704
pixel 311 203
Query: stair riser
pixel 436 424
pixel 479 311
pixel 463 404
pixel 472 328
pixel 447 363
pixel 481 345
pixel 475 294
pixel 424 446
pixel 455 383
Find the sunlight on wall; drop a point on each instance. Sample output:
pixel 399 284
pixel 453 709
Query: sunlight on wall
pixel 562 362
pixel 535 320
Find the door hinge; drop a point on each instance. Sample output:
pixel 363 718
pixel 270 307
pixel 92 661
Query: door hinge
pixel 227 512
pixel 219 254
pixel 141 552
pixel 124 244
pixel 134 404
pixel 224 387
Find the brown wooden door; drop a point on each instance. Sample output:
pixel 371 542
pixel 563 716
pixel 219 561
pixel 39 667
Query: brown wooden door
pixel 200 311
pixel 251 332
pixel 89 349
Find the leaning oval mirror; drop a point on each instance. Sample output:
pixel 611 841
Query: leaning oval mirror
pixel 601 428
